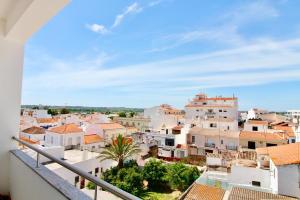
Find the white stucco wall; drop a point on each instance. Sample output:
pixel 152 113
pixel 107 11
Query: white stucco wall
pixel 11 62
pixel 245 175
pixel 288 180
pixel 27 185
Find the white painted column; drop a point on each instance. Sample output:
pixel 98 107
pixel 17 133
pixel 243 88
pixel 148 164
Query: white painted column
pixel 11 64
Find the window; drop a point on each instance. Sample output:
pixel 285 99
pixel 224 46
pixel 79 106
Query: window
pixel 213 125
pixel 197 110
pixel 169 142
pixel 193 139
pixel 254 128
pixel 224 110
pixel 204 103
pixel 221 141
pixel 256 183
pixel 220 110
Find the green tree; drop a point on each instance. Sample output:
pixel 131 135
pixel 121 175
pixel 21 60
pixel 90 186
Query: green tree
pixel 132 114
pixel 129 178
pixel 91 186
pixel 181 176
pixel 64 111
pixel 52 112
pixel 120 149
pixel 122 114
pixel 154 172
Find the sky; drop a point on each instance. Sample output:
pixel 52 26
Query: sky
pixel 142 53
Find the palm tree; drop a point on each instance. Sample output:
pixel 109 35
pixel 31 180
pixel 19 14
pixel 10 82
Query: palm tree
pixel 120 149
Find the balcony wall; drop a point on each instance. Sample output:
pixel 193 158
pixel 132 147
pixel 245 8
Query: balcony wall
pixel 30 183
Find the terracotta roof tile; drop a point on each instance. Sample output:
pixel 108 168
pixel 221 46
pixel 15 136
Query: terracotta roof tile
pixel 283 154
pixel 246 194
pixel 47 120
pixel 90 139
pixel 262 136
pixel 67 128
pixel 34 130
pixel 259 122
pixel 204 192
pixel 107 126
pixel 29 140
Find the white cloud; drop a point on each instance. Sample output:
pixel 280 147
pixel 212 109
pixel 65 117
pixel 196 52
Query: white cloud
pixel 263 62
pixel 97 28
pixel 131 9
pixel 226 28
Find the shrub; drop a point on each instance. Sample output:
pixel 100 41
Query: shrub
pixel 91 186
pixel 154 172
pixel 180 176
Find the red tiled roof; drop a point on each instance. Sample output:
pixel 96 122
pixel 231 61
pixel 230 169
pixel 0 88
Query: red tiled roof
pixel 108 126
pixel 67 128
pixel 90 139
pixel 261 136
pixel 204 192
pixel 283 154
pixel 34 130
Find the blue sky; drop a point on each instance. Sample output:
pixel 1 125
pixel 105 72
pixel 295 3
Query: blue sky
pixel 144 53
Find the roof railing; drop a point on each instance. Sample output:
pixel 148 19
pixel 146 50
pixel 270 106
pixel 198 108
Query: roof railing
pixel 97 181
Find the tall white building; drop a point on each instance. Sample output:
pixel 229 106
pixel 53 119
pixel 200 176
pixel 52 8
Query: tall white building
pixel 203 110
pixel 163 118
pixel 215 123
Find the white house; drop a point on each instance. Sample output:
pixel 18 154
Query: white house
pixel 68 135
pixel 256 113
pixel 36 134
pixel 92 142
pixel 163 118
pixel 106 130
pixel 284 168
pixel 256 126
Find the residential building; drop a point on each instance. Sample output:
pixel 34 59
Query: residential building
pixel 163 118
pixel 36 134
pixel 256 113
pixel 284 165
pixel 294 115
pixel 36 113
pixel 208 140
pixel 256 133
pixel 203 108
pixel 92 142
pixel 139 122
pixel 253 140
pixel 106 130
pixel 47 122
pixel 69 136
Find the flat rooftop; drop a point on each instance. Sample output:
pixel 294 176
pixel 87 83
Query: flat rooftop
pixel 74 156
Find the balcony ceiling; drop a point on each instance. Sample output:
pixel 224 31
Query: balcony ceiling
pixel 6 6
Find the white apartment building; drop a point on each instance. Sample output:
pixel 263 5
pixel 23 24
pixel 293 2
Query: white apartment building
pixel 256 113
pixel 69 136
pixel 203 108
pixel 163 118
pixel 214 124
pixel 294 115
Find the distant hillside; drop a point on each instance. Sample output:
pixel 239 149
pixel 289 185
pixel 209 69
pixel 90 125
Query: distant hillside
pixel 87 109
